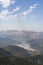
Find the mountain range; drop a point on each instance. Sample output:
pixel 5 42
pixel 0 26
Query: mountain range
pixel 30 41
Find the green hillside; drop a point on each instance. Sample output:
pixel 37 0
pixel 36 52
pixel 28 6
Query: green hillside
pixel 3 52
pixel 14 55
pixel 16 61
pixel 17 51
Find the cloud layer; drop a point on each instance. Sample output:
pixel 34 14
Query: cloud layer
pixel 30 9
pixel 16 12
pixel 6 3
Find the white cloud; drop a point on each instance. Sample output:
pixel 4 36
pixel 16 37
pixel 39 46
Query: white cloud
pixel 29 10
pixel 6 3
pixel 4 15
pixel 16 9
pixel 13 16
pixel 12 2
pixel 35 5
pixel 4 12
pixel 25 45
pixel 25 13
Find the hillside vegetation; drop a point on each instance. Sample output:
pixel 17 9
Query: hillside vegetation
pixel 10 60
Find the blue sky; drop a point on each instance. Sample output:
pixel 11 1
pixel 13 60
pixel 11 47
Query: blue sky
pixel 21 15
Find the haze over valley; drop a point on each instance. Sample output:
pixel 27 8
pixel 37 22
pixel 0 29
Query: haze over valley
pixel 29 40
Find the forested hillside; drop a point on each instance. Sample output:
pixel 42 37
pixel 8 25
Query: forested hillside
pixel 10 60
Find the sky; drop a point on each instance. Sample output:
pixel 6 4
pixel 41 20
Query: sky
pixel 21 15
